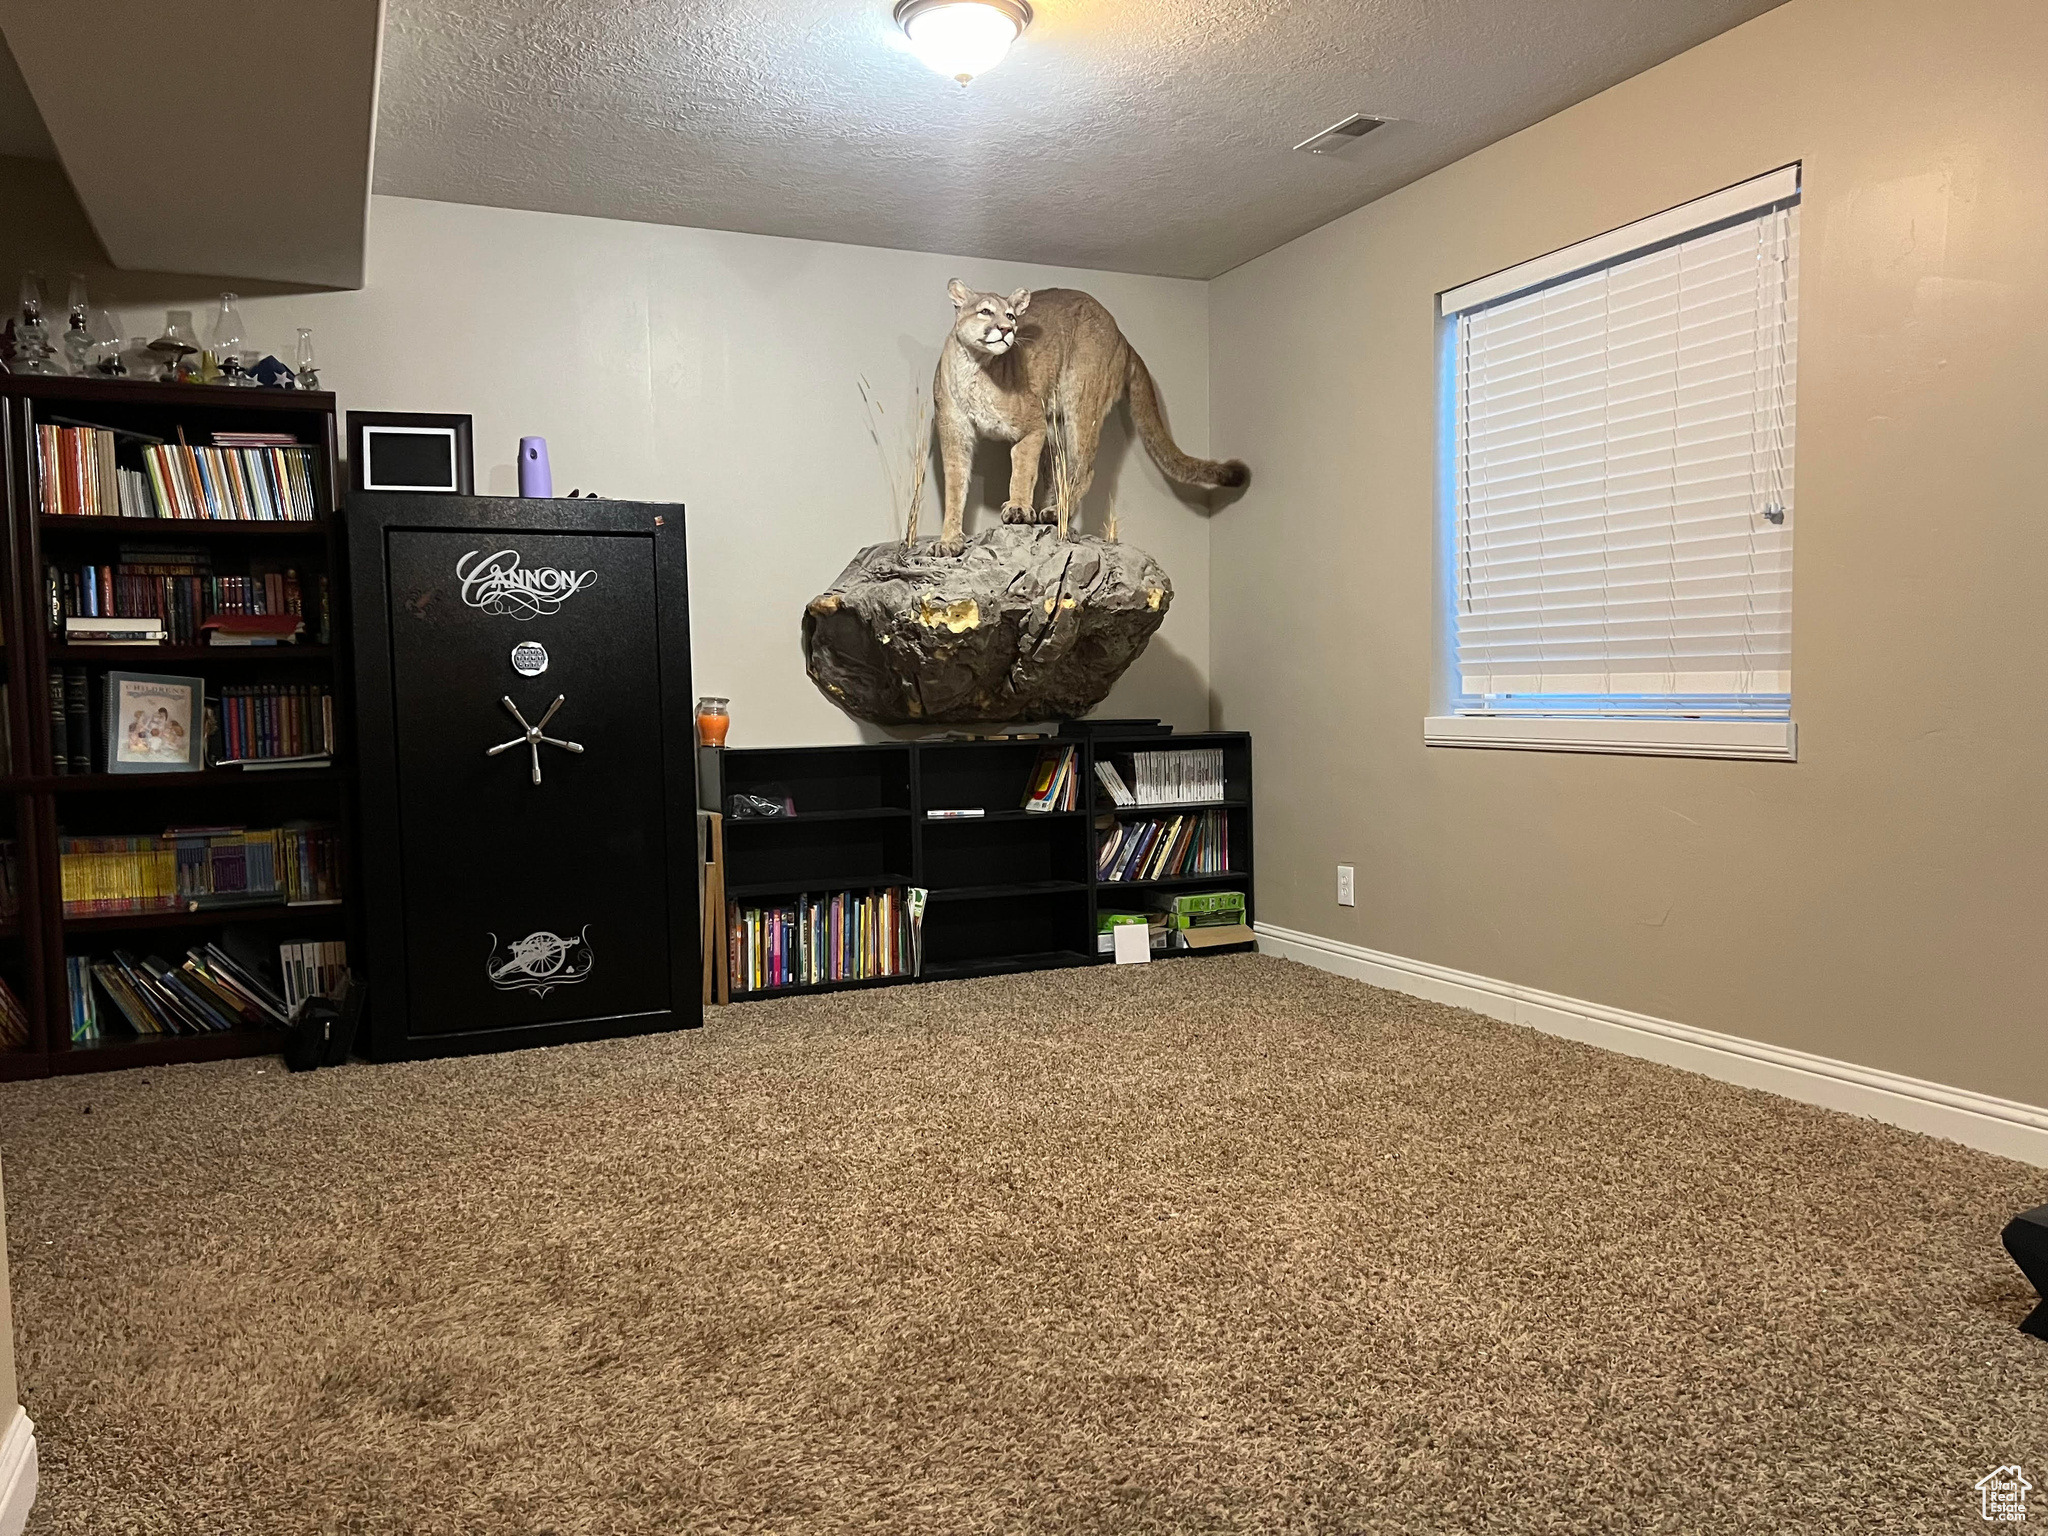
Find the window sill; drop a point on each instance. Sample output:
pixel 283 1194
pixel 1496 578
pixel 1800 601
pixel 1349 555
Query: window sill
pixel 1769 740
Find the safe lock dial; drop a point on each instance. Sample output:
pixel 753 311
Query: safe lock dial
pixel 533 738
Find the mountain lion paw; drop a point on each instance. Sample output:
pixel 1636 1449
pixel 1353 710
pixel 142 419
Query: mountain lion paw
pixel 1013 513
pixel 950 549
pixel 1050 516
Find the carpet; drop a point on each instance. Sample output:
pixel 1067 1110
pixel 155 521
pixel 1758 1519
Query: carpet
pixel 1227 1245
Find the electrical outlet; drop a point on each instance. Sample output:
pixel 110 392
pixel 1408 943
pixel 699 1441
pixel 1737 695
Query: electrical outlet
pixel 1346 893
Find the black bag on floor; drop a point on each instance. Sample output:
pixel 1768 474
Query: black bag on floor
pixel 323 1030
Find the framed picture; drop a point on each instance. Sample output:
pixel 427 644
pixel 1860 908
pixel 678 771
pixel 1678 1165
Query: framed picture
pixel 410 451
pixel 155 724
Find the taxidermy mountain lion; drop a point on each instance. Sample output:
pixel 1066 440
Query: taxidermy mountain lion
pixel 1007 377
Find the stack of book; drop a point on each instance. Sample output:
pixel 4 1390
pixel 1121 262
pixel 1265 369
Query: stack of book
pixel 311 970
pixel 1055 781
pixel 13 1020
pixel 841 937
pixel 253 628
pixel 79 630
pixel 1165 847
pixel 196 869
pixel 210 992
pixel 243 477
pixel 1190 776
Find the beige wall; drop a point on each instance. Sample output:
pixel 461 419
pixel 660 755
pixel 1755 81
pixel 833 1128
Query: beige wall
pixel 699 366
pixel 1884 899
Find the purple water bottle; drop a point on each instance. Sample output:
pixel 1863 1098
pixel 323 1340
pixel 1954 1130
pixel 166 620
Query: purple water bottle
pixel 535 478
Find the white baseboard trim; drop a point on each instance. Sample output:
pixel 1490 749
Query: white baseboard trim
pixel 2010 1129
pixel 17 1472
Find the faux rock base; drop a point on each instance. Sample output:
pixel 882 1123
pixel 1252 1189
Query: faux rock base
pixel 1024 626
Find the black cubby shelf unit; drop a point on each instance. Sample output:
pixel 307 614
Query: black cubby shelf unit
pixel 38 802
pixel 1010 890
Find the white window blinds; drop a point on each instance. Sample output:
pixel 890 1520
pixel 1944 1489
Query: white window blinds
pixel 1623 453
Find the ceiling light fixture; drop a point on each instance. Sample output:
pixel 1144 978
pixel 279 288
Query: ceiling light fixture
pixel 962 38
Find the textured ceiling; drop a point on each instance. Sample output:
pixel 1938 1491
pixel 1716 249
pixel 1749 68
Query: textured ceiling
pixel 1135 135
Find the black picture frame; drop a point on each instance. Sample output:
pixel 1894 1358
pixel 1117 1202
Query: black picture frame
pixel 138 694
pixel 368 430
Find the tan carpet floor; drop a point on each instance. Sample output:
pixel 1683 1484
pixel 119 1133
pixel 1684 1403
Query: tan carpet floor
pixel 1228 1245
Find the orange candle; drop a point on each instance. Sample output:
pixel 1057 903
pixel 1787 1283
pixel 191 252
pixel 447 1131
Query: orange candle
pixel 712 722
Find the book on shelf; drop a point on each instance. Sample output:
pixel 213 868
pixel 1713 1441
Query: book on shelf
pixel 82 630
pixel 80 473
pixel 13 1019
pixel 251 726
pixel 1055 781
pixel 84 1015
pixel 179 589
pixel 253 628
pixel 197 869
pixel 840 936
pixel 311 970
pixel 211 990
pixel 1164 847
pixel 1184 776
pixel 78 732
pixel 272 724
pixel 60 726
pixel 1111 780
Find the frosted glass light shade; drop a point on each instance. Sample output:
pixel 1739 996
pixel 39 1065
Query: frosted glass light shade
pixel 962 38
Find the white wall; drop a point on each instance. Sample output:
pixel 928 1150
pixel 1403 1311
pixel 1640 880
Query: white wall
pixel 704 367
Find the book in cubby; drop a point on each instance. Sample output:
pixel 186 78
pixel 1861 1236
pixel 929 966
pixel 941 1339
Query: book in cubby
pixel 200 869
pixel 250 477
pixel 216 988
pixel 1164 847
pixel 179 533
pixel 817 940
pixel 1176 776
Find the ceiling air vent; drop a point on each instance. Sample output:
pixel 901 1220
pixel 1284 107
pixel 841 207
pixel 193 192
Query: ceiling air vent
pixel 1337 135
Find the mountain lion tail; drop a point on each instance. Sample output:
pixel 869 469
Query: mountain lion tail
pixel 1159 442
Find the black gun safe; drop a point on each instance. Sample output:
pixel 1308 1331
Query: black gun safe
pixel 528 790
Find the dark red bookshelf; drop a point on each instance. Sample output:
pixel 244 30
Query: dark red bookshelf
pixel 36 801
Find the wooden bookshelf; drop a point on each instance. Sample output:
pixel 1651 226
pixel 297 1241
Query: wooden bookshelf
pixel 1010 890
pixel 37 800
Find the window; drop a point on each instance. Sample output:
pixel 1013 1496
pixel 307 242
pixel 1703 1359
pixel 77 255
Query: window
pixel 1621 487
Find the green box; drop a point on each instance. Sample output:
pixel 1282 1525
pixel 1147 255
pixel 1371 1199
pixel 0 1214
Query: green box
pixel 1191 903
pixel 1109 920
